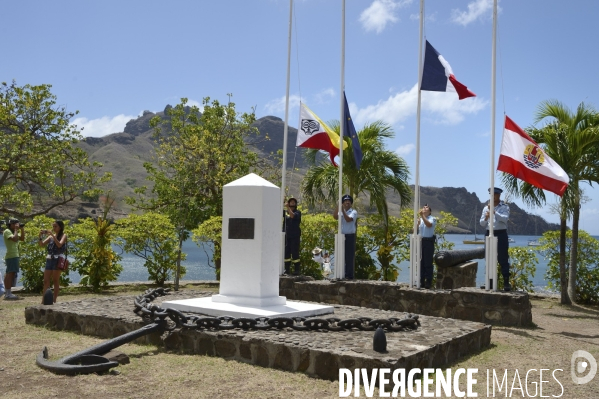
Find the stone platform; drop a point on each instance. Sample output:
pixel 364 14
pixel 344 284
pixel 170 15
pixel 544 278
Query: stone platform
pixel 436 343
pixel 474 304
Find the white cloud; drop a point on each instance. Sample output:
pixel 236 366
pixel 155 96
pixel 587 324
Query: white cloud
pixel 102 126
pixel 381 12
pixel 325 96
pixel 428 18
pixel 405 150
pixel 278 105
pixel 445 106
pixel 198 104
pixel 449 108
pixel 476 10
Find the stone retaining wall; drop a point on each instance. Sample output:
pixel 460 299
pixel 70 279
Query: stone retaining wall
pixel 474 304
pixel 436 343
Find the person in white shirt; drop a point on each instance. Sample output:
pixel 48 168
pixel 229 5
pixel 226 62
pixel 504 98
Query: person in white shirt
pixel 348 228
pixel 426 228
pixel 502 214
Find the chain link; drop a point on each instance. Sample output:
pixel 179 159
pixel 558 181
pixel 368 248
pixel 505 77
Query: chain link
pixel 149 311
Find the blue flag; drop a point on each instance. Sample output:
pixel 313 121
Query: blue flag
pixel 350 131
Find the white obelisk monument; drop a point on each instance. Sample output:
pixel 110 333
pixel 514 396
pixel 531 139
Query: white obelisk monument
pixel 249 278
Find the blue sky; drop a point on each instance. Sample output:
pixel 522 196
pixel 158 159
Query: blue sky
pixel 112 60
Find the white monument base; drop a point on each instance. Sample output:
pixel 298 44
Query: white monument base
pixel 211 308
pixel 249 300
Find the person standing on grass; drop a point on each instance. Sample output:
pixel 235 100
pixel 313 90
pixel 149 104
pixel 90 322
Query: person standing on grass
pixel 11 259
pixel 56 240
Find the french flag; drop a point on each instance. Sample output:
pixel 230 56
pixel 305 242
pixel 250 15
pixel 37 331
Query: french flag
pixel 438 76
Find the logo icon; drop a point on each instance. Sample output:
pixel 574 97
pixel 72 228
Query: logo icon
pixel 310 126
pixel 589 363
pixel 533 156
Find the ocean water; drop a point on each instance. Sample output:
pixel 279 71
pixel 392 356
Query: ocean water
pixel 199 269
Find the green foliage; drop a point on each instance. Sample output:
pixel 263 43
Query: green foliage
pixel 318 230
pixel 444 220
pixel 91 197
pixel 33 256
pixel 151 236
pixel 523 266
pixel 388 242
pixel 95 260
pixel 208 236
pixel 587 284
pixel 40 166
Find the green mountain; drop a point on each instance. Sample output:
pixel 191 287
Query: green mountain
pixel 124 154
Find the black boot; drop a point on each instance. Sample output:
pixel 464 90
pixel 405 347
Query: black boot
pixel 506 284
pixel 297 269
pixel 288 268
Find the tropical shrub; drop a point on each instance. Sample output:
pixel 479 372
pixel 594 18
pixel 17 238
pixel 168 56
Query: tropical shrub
pixel 523 266
pixel 152 237
pixel 587 276
pixel 93 257
pixel 208 236
pixel 318 230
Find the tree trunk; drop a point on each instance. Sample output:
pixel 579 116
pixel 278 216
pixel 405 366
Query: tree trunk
pixel 574 254
pixel 178 271
pixel 565 299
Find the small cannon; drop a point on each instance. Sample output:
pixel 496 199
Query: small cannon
pixel 455 257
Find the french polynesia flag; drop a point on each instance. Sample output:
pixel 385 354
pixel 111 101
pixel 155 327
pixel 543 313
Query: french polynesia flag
pixel 522 158
pixel 314 133
pixel 438 76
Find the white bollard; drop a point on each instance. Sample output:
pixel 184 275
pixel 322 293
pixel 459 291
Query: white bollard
pixel 415 257
pixel 491 263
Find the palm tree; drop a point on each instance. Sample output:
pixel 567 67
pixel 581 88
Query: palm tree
pixel 380 170
pixel 571 140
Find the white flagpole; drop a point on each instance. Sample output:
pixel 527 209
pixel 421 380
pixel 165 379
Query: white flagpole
pixel 340 238
pixel 491 241
pixel 415 238
pixel 285 133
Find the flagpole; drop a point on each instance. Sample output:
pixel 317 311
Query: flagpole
pixel 415 238
pixel 491 241
pixel 340 239
pixel 285 134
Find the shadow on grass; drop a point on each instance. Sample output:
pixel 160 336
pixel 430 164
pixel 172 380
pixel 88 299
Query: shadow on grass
pixel 524 333
pixel 575 335
pixel 574 317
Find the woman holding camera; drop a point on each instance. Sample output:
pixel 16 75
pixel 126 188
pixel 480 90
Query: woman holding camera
pixel 56 241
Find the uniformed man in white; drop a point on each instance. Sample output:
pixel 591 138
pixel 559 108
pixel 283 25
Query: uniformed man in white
pixel 502 214
pixel 349 217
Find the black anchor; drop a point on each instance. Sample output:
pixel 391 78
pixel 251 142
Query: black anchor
pixel 90 360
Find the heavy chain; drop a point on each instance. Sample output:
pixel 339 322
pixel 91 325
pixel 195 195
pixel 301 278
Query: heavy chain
pixel 155 313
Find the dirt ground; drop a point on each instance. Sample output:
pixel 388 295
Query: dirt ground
pixel 517 353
